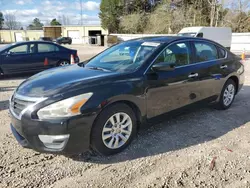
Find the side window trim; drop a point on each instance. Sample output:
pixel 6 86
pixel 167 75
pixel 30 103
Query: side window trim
pixel 29 48
pixel 218 51
pixel 193 53
pixel 191 41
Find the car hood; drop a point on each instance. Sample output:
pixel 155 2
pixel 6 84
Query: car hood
pixel 61 80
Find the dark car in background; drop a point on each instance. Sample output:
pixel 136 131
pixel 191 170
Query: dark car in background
pixel 102 104
pixel 63 40
pixel 34 56
pixel 46 39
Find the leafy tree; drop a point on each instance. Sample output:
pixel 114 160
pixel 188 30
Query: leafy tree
pixel 36 25
pixel 1 20
pixel 110 13
pixel 55 22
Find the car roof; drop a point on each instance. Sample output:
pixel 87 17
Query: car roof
pixel 28 42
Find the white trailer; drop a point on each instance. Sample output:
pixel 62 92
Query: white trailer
pixel 221 35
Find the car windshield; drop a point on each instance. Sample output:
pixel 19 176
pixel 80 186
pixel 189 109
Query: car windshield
pixel 2 48
pixel 187 34
pixel 123 57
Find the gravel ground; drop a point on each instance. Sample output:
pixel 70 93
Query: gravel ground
pixel 203 148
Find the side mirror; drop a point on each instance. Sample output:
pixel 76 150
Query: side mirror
pixel 163 66
pixel 9 53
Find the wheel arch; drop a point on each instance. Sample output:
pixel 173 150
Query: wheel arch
pixel 236 80
pixel 132 105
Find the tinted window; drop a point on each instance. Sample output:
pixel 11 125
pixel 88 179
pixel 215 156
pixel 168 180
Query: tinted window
pixel 177 54
pixel 205 51
pixel 47 48
pixel 222 52
pixel 22 49
pixel 200 35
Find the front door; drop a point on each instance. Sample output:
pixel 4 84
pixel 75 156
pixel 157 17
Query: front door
pixel 17 59
pixel 170 90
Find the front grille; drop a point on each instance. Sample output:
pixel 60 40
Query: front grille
pixel 19 103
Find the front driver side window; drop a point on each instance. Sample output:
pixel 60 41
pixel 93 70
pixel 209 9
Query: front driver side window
pixel 22 49
pixel 177 54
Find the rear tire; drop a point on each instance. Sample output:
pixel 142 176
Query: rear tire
pixel 227 95
pixel 113 130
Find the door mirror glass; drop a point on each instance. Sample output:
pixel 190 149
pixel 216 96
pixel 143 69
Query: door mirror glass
pixel 8 53
pixel 163 66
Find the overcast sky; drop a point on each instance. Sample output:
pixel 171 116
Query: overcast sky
pixel 27 10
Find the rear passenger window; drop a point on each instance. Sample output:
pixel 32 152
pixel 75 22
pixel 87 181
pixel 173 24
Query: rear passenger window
pixel 47 48
pixel 205 51
pixel 222 53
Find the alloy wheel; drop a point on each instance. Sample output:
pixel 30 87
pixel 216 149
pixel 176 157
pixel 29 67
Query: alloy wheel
pixel 64 63
pixel 117 130
pixel 228 95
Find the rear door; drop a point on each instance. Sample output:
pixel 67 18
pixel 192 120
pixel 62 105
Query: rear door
pixel 17 59
pixel 209 65
pixel 48 55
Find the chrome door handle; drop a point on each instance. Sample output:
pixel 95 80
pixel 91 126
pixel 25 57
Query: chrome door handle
pixel 223 66
pixel 193 75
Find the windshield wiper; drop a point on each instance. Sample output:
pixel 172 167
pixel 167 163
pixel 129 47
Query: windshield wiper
pixel 98 68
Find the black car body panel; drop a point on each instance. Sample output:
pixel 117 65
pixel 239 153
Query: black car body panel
pixel 32 59
pixel 149 93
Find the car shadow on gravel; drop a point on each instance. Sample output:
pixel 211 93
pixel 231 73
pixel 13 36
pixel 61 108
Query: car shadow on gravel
pixel 179 132
pixel 16 77
pixel 4 105
pixel 9 88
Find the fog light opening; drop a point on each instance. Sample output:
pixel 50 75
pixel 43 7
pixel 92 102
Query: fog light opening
pixel 54 141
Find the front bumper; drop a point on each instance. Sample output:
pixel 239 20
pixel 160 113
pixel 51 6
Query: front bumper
pixel 27 131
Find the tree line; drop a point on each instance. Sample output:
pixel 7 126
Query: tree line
pixel 170 16
pixel 9 21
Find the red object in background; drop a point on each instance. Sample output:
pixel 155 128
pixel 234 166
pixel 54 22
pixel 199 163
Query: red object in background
pixel 46 62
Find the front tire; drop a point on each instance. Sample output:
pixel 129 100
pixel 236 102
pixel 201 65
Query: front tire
pixel 113 130
pixel 227 95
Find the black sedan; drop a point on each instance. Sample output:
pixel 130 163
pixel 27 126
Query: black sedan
pixel 102 104
pixel 63 40
pixel 34 56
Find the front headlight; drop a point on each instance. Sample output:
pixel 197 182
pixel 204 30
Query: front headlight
pixel 64 108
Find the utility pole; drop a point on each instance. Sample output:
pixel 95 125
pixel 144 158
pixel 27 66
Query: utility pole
pixel 81 11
